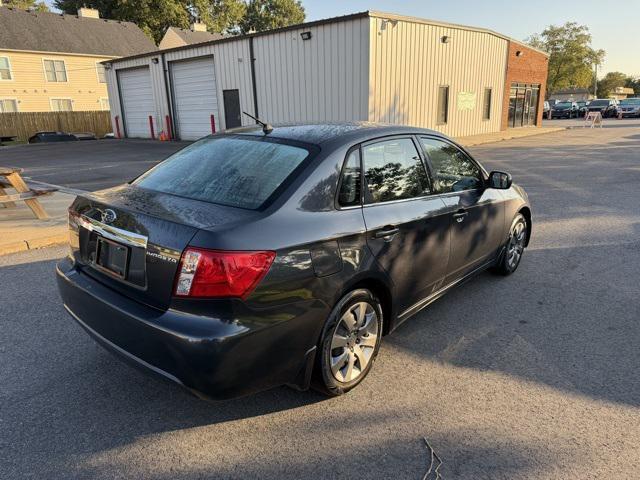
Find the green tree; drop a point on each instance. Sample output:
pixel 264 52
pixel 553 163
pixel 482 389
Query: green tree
pixel 633 82
pixel 223 16
pixel 26 5
pixel 610 82
pixel 268 14
pixel 571 57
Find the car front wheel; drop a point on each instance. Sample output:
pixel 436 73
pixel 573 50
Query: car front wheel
pixel 349 343
pixel 514 248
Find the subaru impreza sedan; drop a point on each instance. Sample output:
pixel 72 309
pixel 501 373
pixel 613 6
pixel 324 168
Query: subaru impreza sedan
pixel 250 260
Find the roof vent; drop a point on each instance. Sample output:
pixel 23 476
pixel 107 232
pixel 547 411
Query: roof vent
pixel 198 27
pixel 88 13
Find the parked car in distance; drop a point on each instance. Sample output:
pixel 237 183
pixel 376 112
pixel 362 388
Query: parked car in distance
pixel 565 110
pixel 630 107
pixel 582 107
pixel 607 107
pixel 43 137
pixel 249 260
pixel 546 110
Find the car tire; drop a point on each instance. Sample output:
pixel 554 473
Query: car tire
pixel 514 248
pixel 349 343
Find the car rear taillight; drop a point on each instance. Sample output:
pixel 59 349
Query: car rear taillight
pixel 214 273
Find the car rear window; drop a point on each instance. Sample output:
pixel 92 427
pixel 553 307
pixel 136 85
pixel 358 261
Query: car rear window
pixel 599 103
pixel 238 172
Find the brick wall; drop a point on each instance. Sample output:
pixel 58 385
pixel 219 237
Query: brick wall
pixel 530 67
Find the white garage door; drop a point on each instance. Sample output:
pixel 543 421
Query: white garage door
pixel 194 92
pixel 137 101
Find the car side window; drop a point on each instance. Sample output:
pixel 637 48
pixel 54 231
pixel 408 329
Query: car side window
pixel 393 170
pixel 454 171
pixel 349 194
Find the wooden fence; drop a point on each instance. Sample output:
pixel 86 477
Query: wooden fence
pixel 25 124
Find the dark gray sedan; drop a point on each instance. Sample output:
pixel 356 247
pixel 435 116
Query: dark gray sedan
pixel 249 259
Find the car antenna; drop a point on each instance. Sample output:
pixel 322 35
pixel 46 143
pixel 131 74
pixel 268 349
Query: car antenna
pixel 266 128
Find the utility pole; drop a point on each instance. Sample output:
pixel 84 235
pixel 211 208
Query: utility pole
pixel 595 81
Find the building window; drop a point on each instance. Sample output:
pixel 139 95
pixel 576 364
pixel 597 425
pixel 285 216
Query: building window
pixel 443 105
pixel 102 77
pixel 486 106
pixel 5 69
pixel 55 70
pixel 104 104
pixel 61 105
pixel 8 105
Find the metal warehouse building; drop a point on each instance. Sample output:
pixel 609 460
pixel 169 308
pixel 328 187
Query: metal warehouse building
pixel 367 66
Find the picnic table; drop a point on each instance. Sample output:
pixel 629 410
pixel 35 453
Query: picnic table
pixel 10 178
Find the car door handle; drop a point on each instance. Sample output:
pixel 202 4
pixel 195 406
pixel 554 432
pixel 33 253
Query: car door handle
pixel 387 233
pixel 460 215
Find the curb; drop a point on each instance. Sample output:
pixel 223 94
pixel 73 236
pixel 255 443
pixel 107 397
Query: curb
pixel 533 133
pixel 24 245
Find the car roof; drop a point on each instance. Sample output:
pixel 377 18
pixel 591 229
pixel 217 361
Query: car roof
pixel 325 133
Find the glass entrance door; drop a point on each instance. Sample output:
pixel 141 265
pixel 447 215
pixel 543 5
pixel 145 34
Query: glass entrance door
pixel 533 109
pixel 523 104
pixel 519 110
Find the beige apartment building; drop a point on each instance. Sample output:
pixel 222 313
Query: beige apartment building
pixel 51 62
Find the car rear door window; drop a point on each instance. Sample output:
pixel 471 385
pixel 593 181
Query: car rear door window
pixel 238 172
pixel 393 170
pixel 454 171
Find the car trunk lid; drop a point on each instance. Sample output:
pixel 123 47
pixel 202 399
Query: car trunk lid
pixel 131 238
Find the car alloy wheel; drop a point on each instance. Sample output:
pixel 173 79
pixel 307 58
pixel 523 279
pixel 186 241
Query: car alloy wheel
pixel 515 247
pixel 354 342
pixel 349 343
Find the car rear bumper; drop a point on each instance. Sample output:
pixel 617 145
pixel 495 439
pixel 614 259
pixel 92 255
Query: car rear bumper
pixel 631 114
pixel 215 357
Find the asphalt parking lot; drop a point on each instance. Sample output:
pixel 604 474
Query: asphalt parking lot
pixel 532 376
pixel 88 165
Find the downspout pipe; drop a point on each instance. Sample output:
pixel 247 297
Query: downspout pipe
pixel 165 72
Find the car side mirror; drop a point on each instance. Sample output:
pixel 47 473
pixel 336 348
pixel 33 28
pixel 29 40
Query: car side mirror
pixel 500 180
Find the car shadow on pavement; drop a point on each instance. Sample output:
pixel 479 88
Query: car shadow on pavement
pixel 564 318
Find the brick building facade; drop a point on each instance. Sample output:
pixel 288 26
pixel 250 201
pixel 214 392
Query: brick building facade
pixel 525 86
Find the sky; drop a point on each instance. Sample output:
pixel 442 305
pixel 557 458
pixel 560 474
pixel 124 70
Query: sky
pixel 614 24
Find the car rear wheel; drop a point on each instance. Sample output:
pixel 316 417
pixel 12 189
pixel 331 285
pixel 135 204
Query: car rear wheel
pixel 514 248
pixel 349 343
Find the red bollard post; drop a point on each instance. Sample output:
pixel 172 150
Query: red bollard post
pixel 153 134
pixel 213 124
pixel 117 119
pixel 169 129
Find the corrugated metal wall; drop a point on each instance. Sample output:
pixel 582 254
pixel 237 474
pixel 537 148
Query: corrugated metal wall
pixel 408 62
pixel 321 79
pixel 232 70
pixel 368 68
